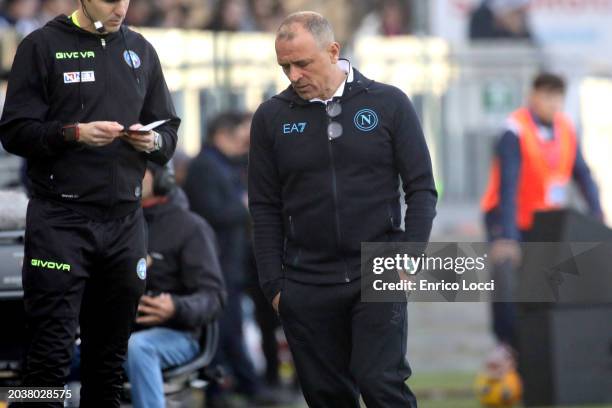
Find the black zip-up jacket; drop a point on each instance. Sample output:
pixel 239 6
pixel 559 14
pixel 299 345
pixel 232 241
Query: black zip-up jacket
pixel 314 201
pixel 46 92
pixel 185 265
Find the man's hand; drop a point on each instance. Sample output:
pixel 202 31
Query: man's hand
pixel 506 250
pixel 99 133
pixel 275 302
pixel 403 275
pixel 155 310
pixel 141 142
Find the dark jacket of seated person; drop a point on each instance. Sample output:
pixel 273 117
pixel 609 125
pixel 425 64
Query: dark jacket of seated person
pixel 183 263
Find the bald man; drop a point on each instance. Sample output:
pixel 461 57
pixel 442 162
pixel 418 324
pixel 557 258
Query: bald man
pixel 325 161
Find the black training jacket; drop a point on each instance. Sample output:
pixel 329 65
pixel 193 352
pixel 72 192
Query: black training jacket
pixel 185 264
pixel 314 201
pixel 46 91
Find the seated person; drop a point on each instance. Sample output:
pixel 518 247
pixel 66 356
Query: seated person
pixel 185 289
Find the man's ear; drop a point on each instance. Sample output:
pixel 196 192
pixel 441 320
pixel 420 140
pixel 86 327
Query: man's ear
pixel 333 49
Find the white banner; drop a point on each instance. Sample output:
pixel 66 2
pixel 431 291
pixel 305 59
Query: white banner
pixel 581 26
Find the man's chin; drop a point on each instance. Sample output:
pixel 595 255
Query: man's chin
pixel 304 94
pixel 112 28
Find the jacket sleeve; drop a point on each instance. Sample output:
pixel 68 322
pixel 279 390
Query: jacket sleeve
pixel 582 174
pixel 508 151
pixel 158 106
pixel 202 279
pixel 24 127
pixel 414 164
pixel 266 207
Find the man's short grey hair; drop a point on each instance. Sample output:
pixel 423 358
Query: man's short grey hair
pixel 314 23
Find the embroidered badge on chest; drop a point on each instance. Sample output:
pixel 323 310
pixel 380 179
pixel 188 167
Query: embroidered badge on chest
pixel 131 58
pixel 366 120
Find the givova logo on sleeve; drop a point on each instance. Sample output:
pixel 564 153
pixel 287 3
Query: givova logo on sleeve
pixel 39 263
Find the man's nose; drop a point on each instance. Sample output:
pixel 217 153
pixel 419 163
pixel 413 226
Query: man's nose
pixel 295 74
pixel 121 8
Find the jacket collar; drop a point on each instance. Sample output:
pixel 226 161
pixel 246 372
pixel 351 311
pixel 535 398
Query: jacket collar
pixel 359 84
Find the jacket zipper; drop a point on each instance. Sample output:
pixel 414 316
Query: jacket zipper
pixel 113 188
pixel 335 195
pixel 291 229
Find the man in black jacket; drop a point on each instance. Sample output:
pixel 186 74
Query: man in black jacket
pixel 325 161
pixel 185 289
pixel 216 191
pixel 78 90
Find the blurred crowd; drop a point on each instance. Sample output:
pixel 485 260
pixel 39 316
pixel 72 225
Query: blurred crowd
pixel 382 17
pixel 489 19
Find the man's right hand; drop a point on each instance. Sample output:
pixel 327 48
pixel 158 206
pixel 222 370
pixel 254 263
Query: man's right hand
pixel 275 302
pixel 99 133
pixel 506 250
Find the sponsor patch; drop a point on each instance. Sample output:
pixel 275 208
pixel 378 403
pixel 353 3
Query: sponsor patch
pixel 141 268
pixel 74 77
pixel 130 58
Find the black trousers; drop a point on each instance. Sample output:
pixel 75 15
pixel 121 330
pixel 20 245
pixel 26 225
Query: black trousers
pixel 79 270
pixel 267 320
pixel 232 352
pixel 343 347
pixel 504 314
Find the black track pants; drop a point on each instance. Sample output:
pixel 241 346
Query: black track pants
pixel 79 269
pixel 343 347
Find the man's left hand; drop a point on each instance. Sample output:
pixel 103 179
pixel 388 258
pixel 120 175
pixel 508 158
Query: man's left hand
pixel 141 142
pixel 156 310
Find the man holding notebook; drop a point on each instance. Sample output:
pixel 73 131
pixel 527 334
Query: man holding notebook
pixel 79 89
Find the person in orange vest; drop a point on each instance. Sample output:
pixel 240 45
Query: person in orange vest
pixel 535 160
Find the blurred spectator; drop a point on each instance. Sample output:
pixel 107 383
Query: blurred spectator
pixel 181 161
pixel 199 13
pixel 140 13
pixel 243 133
pixel 268 14
pixel 49 9
pixel 265 316
pixel 231 15
pixel 168 14
pixel 20 15
pixel 500 19
pixel 535 160
pixel 216 191
pixel 173 18
pixel 389 18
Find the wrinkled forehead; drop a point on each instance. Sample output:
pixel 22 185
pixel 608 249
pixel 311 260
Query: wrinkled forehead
pixel 296 46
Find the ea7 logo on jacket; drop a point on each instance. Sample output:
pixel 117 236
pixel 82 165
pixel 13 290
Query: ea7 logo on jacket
pixel 74 54
pixel 294 127
pixel 50 265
